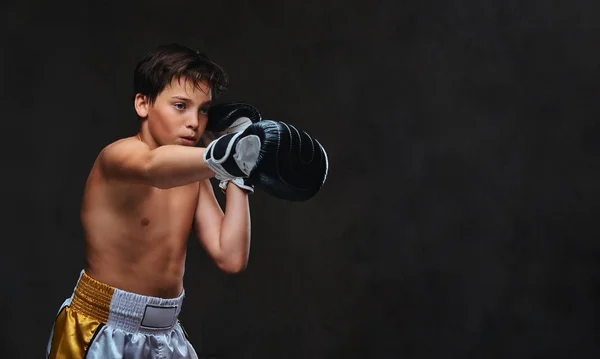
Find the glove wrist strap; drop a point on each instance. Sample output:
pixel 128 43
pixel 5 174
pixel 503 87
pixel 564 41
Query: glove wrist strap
pixel 238 182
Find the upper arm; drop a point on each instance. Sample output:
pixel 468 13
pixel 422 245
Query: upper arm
pixel 126 160
pixel 208 220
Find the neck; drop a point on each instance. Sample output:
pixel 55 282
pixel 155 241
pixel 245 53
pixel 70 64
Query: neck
pixel 145 136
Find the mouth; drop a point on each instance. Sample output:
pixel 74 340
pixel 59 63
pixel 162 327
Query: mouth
pixel 190 141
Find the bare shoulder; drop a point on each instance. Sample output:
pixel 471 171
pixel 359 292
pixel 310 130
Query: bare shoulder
pixel 108 181
pixel 123 146
pixel 124 159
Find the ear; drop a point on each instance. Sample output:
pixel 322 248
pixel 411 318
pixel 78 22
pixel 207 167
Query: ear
pixel 141 105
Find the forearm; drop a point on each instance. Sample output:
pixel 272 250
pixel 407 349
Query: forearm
pixel 235 230
pixel 171 166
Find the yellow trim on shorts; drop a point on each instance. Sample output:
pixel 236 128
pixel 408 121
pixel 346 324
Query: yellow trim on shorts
pixel 78 323
pixel 92 298
pixel 73 334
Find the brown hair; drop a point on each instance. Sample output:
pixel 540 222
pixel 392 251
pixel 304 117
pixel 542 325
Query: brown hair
pixel 158 68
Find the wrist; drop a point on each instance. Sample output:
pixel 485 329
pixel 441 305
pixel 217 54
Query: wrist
pixel 241 183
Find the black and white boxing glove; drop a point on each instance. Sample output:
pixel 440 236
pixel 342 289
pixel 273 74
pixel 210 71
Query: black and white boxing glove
pixel 274 156
pixel 227 118
pixel 231 117
pixel 292 164
pixel 233 155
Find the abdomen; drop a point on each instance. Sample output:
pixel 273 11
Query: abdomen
pixel 136 241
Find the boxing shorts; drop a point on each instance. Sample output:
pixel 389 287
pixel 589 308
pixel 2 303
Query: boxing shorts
pixel 99 321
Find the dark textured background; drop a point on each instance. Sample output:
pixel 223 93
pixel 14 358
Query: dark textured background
pixel 459 218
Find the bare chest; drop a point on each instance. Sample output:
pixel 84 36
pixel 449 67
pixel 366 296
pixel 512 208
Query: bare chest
pixel 151 206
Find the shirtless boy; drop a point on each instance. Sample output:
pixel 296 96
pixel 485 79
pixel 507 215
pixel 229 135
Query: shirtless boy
pixel 145 194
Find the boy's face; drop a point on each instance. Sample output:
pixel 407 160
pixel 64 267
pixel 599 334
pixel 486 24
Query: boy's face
pixel 179 113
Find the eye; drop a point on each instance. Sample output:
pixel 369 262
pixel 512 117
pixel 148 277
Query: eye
pixel 180 106
pixel 204 111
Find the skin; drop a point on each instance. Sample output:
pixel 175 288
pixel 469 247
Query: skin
pixel 146 193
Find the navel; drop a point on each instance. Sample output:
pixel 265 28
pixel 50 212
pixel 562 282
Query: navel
pixel 145 221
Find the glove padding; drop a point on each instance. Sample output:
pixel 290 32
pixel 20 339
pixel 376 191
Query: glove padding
pixel 276 157
pixel 292 165
pixel 231 117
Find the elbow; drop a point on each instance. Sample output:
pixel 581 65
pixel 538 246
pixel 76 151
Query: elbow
pixel 233 267
pixel 160 183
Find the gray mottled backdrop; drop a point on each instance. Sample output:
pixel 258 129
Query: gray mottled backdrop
pixel 459 218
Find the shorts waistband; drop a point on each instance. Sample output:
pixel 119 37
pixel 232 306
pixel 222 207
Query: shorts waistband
pixel 124 310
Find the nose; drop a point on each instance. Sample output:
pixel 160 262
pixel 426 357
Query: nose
pixel 193 122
